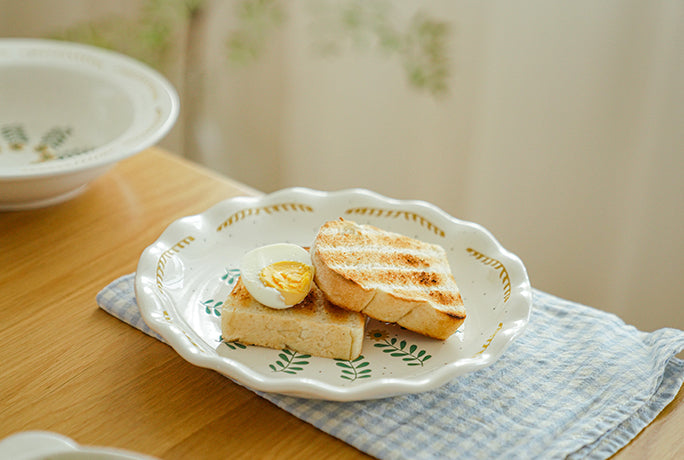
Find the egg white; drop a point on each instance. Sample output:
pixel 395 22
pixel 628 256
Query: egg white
pixel 255 260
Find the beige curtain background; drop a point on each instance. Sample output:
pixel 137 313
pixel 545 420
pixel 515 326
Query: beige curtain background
pixel 557 125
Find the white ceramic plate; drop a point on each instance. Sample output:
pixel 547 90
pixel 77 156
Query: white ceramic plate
pixel 186 274
pixel 70 111
pixel 45 445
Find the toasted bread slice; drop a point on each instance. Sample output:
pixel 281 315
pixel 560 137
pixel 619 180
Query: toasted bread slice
pixel 387 276
pixel 314 326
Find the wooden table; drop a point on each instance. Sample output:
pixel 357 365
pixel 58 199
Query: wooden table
pixel 67 366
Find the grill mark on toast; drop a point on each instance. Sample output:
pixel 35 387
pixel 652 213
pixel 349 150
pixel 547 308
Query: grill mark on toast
pixel 346 258
pixel 446 298
pixel 413 277
pixel 335 237
pixel 432 284
pixel 372 277
pixel 388 270
pixel 409 260
pixel 413 254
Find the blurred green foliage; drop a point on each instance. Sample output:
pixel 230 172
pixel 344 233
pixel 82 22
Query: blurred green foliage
pixel 148 36
pixel 335 27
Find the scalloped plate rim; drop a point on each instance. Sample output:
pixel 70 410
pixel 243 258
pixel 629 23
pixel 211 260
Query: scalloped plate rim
pixel 150 306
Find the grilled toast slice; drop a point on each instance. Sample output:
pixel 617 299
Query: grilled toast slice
pixel 387 276
pixel 314 326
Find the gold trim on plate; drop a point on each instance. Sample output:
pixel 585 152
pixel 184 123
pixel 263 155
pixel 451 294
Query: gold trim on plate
pixel 246 212
pixel 408 215
pixel 503 273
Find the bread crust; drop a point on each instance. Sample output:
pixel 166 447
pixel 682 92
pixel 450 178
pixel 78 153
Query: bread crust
pixel 313 326
pixel 434 308
pixel 339 290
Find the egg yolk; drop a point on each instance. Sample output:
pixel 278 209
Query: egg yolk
pixel 291 279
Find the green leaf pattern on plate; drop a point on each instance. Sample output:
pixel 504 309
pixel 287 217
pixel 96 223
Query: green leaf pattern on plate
pixel 354 369
pixel 212 307
pixel 231 275
pixel 398 349
pixel 290 362
pixel 233 344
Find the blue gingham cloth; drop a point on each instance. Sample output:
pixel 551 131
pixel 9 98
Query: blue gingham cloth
pixel 578 383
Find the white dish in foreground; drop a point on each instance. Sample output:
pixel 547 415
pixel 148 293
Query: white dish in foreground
pixel 42 445
pixel 68 112
pixel 184 277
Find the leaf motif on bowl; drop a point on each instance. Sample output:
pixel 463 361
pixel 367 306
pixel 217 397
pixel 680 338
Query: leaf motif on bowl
pixel 50 147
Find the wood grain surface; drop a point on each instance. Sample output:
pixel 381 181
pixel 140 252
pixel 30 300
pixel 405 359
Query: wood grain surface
pixel 68 367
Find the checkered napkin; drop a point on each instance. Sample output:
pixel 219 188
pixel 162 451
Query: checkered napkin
pixel 578 383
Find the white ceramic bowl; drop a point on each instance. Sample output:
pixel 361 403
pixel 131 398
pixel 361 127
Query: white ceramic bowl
pixel 68 112
pixel 44 445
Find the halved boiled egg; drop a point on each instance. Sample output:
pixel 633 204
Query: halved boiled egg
pixel 277 275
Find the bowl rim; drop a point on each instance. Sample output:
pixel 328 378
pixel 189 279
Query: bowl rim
pixel 107 153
